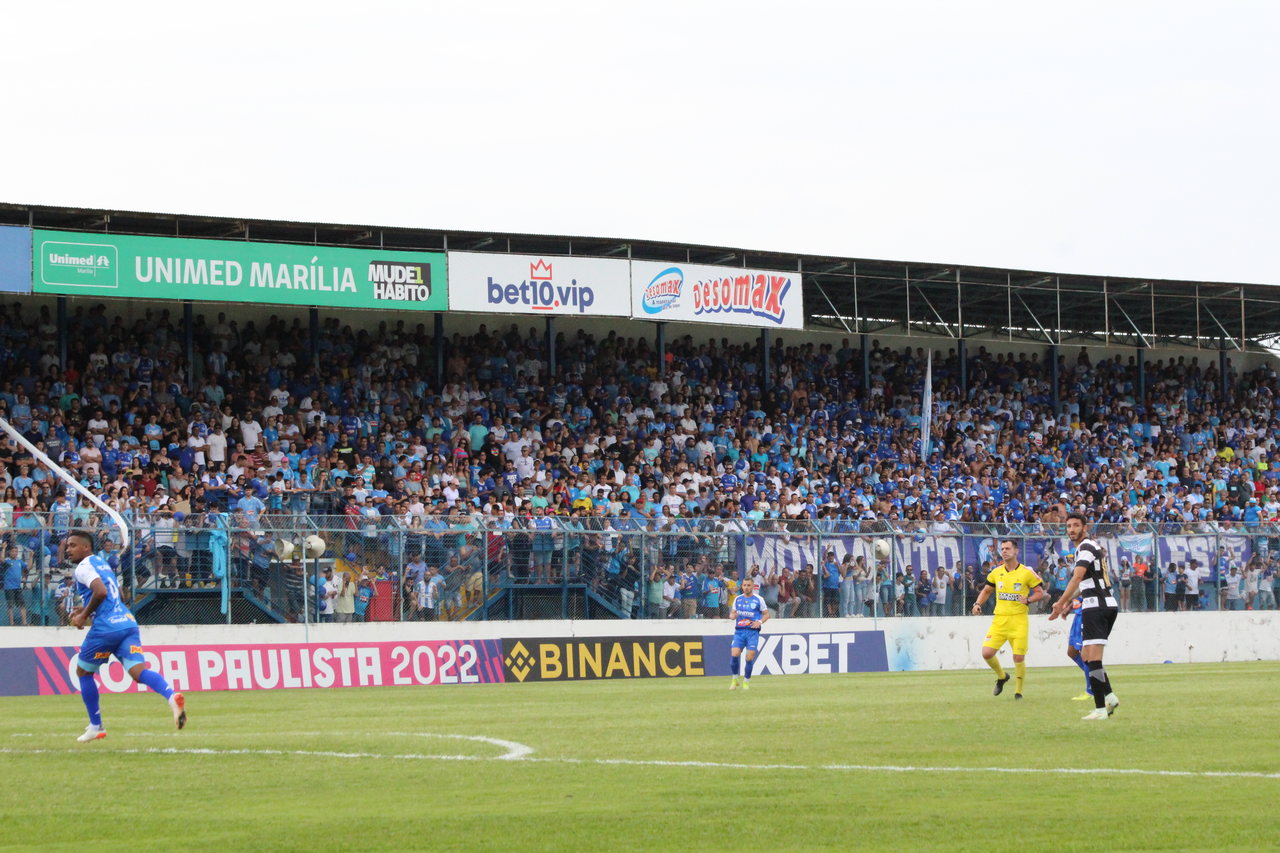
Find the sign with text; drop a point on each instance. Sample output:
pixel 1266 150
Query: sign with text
pixel 231 271
pixel 539 284
pixel 50 670
pixel 15 259
pixel 584 658
pixel 767 299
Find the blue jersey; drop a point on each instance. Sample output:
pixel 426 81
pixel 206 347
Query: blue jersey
pixel 748 609
pixel 112 614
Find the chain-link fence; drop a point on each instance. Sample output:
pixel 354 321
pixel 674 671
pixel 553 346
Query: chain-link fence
pixel 281 566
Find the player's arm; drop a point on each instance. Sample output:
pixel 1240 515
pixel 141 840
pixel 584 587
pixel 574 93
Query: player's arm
pixel 1037 592
pixel 99 595
pixel 1064 603
pixel 764 617
pixel 982 598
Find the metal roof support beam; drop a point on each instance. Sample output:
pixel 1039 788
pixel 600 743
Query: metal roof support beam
pixel 1227 335
pixel 834 310
pixel 935 311
pixel 1145 342
pixel 1048 337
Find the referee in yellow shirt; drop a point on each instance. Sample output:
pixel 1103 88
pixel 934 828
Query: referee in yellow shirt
pixel 1015 587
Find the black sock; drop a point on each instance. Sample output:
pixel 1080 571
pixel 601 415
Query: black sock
pixel 1101 684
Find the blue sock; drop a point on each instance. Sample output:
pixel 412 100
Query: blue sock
pixel 733 664
pixel 89 693
pixel 751 664
pixel 1084 667
pixel 156 682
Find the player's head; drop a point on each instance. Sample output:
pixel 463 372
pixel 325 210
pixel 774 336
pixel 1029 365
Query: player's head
pixel 1077 526
pixel 748 586
pixel 79 544
pixel 1008 550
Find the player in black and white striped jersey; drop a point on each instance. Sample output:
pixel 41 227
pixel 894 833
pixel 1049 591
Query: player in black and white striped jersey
pixel 1092 582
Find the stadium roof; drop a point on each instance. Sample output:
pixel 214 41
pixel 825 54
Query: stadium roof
pixel 856 295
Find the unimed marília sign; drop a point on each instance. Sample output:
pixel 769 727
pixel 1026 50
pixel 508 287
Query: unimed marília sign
pixel 119 266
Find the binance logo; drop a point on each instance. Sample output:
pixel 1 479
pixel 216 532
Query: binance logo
pixel 519 661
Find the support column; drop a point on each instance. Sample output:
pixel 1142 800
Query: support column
pixel 1055 373
pixel 62 334
pixel 1222 372
pixel 551 350
pixel 189 344
pixel 661 344
pixel 314 326
pixel 962 350
pixel 1142 376
pixel 866 369
pixel 766 381
pixel 438 333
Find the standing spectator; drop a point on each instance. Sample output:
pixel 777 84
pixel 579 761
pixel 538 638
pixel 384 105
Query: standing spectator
pixel 1138 590
pixel 1250 584
pixel 786 594
pixel 1171 587
pixel 655 607
pixel 14 569
pixel 1235 588
pixel 830 585
pixel 690 591
pixel 848 586
pixel 365 594
pixel 344 602
pixel 908 593
pixel 887 596
pixel 1125 571
pixel 805 595
pixel 326 592
pixel 671 593
pixel 712 587
pixel 941 591
pixel 1191 587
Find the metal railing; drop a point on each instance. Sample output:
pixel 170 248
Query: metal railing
pixel 302 567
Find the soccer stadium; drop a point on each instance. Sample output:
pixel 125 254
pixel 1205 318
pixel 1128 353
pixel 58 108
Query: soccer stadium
pixel 442 540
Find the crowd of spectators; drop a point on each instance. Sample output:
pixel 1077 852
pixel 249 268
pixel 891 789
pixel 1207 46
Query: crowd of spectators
pixel 255 426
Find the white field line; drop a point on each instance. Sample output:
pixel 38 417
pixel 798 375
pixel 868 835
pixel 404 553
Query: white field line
pixel 520 752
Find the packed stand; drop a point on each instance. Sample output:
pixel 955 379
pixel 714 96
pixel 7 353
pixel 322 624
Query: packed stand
pixel 565 466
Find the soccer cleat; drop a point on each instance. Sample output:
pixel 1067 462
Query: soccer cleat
pixel 92 732
pixel 1083 697
pixel 1096 714
pixel 1017 696
pixel 1000 683
pixel 733 681
pixel 179 705
pixel 1111 703
pixel 746 684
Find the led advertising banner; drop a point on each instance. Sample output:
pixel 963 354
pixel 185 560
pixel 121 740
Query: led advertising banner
pixel 539 284
pixel 15 259
pixel 120 266
pixel 767 299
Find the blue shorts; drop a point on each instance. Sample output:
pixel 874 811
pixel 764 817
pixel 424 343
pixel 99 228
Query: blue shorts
pixel 125 643
pixel 746 638
pixel 1076 638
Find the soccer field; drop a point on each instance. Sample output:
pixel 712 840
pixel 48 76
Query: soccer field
pixel 891 761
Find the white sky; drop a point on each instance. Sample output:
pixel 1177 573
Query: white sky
pixel 1099 137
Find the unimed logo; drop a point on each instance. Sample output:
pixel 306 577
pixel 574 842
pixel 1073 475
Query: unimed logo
pixel 79 264
pixel 401 281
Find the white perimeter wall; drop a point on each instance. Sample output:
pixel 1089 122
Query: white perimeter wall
pixel 912 644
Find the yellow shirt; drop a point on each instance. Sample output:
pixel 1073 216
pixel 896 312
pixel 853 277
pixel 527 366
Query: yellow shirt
pixel 1010 586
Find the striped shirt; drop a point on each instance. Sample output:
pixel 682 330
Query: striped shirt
pixel 1095 586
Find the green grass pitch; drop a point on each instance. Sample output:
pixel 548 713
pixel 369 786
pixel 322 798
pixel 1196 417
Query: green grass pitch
pixel 882 761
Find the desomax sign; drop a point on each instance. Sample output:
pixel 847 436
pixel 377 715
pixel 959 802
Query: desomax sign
pixel 538 284
pixel 768 299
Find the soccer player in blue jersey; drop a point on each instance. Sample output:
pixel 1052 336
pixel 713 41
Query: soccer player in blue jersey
pixel 1075 642
pixel 114 632
pixel 749 613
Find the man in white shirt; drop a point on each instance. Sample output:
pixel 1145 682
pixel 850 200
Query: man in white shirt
pixel 216 445
pixel 251 432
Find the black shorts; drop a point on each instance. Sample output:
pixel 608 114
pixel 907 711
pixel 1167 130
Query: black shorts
pixel 1096 624
pixel 13 596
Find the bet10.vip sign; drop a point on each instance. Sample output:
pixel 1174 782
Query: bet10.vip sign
pixel 539 284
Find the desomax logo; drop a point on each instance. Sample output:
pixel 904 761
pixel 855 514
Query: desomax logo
pixel 663 291
pixel 540 291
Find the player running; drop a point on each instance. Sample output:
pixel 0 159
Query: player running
pixel 749 614
pixel 1098 611
pixel 1075 642
pixel 1015 587
pixel 114 632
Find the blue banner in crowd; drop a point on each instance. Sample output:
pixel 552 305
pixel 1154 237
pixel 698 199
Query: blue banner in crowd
pixel 932 552
pixel 15 259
